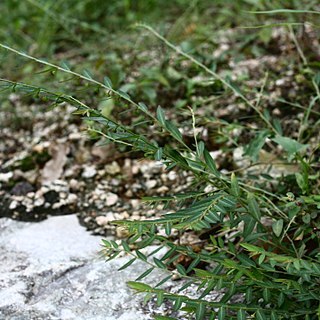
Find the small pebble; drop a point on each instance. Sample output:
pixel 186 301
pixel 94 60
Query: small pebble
pixel 135 203
pixel 150 184
pixel 5 177
pixel 102 220
pixel 72 198
pixel 163 189
pixel 13 205
pixel 75 136
pixel 89 172
pixel 113 168
pixel 112 199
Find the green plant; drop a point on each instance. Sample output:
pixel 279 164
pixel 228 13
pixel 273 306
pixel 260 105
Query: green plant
pixel 257 245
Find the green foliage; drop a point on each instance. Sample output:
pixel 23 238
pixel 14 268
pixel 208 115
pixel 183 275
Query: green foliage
pixel 259 246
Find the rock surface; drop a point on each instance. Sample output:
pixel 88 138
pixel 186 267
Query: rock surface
pixel 51 270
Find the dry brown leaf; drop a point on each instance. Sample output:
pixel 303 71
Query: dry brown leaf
pixel 53 169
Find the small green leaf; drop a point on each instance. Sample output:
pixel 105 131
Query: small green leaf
pixel 212 217
pixel 210 163
pixel 249 295
pixel 316 78
pixel 177 304
pixel 213 315
pixel 274 316
pixel 106 243
pixel 252 248
pixel 65 65
pixel 141 256
pixel 245 260
pixel 277 125
pixel 266 294
pixel 164 318
pixel 260 315
pixel 256 145
pixel 220 284
pixel 277 227
pixel 249 225
pixel 222 313
pixel 123 95
pixel 87 74
pixel 164 280
pixel 280 299
pixel 158 154
pixel 289 145
pixel 167 228
pixel 296 264
pixel 106 106
pixel 261 258
pixel 169 253
pixel 200 149
pixel 306 218
pixel 148 296
pixel 160 298
pixel 173 130
pixel 201 310
pixel 180 268
pixel 221 243
pixel 176 157
pixel 129 263
pixel 210 286
pixel 159 263
pixel 227 202
pixel 302 182
pixel 193 264
pixel 229 294
pixel 241 315
pixel 107 82
pixel 186 285
pixel 143 106
pixel 144 274
pixel 114 244
pixel 161 117
pixel 139 286
pixel 253 207
pixel 235 190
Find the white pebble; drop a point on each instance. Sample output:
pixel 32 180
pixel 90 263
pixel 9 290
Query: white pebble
pixel 172 175
pixel 89 172
pixel 5 177
pixel 112 199
pixel 72 198
pixel 13 205
pixel 102 220
pixel 39 202
pixel 150 184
